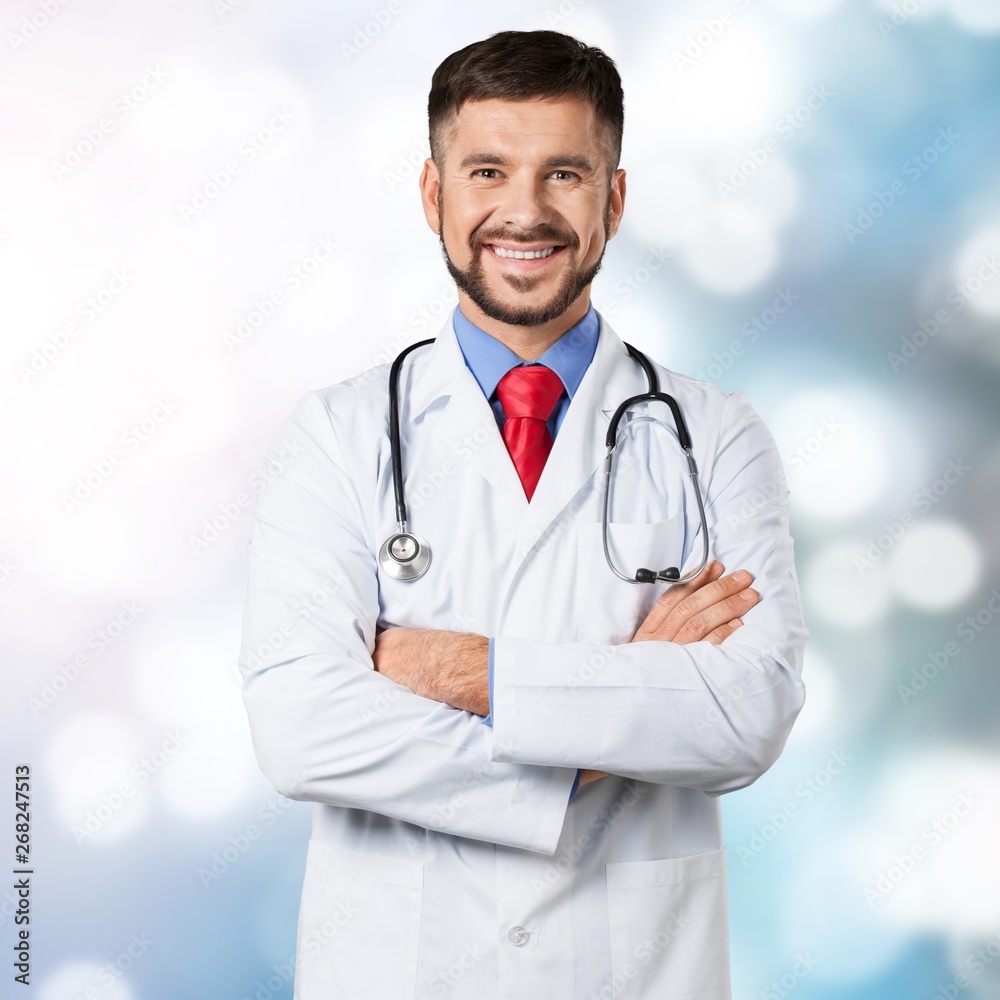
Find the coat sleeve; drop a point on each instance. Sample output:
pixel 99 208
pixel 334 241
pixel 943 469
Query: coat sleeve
pixel 325 726
pixel 713 717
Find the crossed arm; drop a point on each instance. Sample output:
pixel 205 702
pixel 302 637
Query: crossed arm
pixel 452 667
pixel 707 705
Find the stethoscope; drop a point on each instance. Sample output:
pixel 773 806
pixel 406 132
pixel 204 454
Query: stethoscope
pixel 406 556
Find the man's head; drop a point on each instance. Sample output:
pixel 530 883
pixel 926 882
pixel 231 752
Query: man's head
pixel 518 65
pixel 525 134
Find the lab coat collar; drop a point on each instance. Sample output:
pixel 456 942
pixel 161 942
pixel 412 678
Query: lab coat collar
pixel 578 450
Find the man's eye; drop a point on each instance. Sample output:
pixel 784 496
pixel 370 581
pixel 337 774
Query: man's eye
pixel 563 175
pixel 487 172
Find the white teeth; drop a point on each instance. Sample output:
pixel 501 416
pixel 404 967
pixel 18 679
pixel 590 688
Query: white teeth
pixel 524 254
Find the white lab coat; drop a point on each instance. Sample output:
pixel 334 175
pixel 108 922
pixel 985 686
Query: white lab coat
pixel 445 858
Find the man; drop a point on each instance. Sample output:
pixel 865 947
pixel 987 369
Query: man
pixel 516 757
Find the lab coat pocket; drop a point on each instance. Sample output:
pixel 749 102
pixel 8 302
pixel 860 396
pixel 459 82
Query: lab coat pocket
pixel 608 609
pixel 669 928
pixel 359 925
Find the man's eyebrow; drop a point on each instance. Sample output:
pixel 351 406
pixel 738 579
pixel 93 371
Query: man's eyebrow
pixel 495 159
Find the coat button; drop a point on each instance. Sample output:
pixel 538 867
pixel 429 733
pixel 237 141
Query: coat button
pixel 518 936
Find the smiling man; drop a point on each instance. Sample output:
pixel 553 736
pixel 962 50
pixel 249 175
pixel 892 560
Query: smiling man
pixel 514 751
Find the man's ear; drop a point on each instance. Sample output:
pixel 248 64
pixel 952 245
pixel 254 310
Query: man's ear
pixel 430 186
pixel 617 198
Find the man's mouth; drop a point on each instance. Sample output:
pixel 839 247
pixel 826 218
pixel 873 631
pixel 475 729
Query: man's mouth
pixel 520 253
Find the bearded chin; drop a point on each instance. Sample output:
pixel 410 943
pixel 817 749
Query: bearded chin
pixel 473 282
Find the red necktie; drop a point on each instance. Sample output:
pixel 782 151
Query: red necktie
pixel 528 395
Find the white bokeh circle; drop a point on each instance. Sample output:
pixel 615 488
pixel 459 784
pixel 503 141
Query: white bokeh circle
pixel 940 809
pixel 734 252
pixel 935 564
pixel 92 763
pixel 974 272
pixel 843 591
pixel 836 452
pixel 75 979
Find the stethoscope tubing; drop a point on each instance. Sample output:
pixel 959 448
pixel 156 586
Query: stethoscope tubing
pixel 420 550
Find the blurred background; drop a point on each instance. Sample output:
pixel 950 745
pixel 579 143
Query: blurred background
pixel 210 208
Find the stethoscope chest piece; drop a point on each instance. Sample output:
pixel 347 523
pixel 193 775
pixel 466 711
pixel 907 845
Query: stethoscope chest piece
pixel 404 556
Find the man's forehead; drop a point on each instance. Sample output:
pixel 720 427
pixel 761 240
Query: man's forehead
pixel 568 122
pixel 500 114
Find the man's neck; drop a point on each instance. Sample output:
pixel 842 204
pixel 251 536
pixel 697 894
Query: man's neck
pixel 527 342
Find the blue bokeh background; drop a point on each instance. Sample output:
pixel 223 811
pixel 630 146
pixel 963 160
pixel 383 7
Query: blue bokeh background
pixel 813 217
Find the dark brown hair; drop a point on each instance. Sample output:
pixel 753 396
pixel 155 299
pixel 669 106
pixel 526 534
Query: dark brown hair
pixel 517 65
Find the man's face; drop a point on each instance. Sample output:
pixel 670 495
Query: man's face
pixel 524 177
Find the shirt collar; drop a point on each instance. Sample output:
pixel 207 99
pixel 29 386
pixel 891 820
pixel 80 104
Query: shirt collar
pixel 489 360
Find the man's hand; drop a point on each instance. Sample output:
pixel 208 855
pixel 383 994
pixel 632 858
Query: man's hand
pixel 450 667
pixel 705 609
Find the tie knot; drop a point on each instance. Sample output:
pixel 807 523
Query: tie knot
pixel 529 391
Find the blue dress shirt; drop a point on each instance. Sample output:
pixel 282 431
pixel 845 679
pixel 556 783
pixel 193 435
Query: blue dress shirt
pixel 489 360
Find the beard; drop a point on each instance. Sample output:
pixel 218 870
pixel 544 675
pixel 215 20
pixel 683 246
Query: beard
pixel 472 280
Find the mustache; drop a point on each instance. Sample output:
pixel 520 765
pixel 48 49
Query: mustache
pixel 541 234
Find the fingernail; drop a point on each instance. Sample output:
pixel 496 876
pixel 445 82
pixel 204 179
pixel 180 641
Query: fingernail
pixel 736 623
pixel 748 595
pixel 741 577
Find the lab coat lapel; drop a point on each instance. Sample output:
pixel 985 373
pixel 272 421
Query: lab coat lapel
pixel 467 423
pixel 579 447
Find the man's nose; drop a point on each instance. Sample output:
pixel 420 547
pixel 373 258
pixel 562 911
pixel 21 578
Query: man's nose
pixel 525 203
